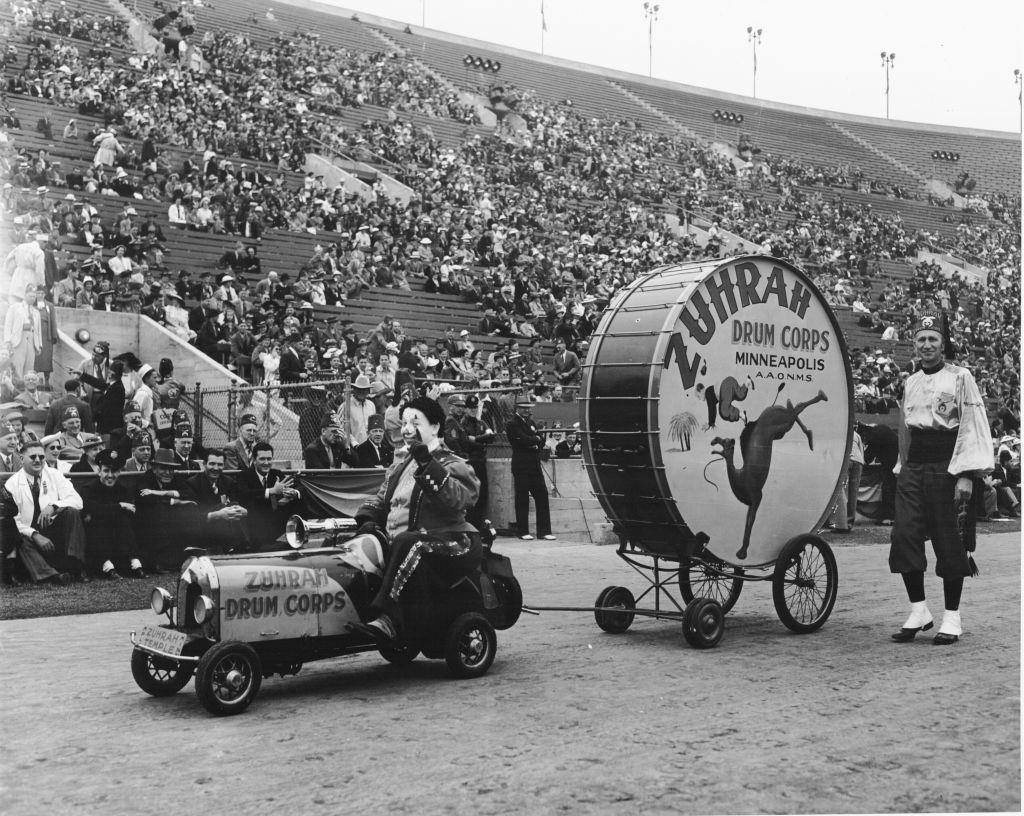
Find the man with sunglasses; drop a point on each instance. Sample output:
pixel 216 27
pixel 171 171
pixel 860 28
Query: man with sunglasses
pixel 52 546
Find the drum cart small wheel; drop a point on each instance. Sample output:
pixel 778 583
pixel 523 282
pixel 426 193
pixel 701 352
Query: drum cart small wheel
pixel 159 676
pixel 612 621
pixel 703 623
pixel 470 645
pixel 400 654
pixel 805 583
pixel 228 678
pixel 701 579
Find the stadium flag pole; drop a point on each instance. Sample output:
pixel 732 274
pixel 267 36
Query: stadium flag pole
pixel 543 27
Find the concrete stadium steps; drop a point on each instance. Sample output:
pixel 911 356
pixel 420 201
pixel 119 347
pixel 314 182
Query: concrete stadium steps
pixel 590 93
pixel 859 338
pixel 995 163
pixel 781 133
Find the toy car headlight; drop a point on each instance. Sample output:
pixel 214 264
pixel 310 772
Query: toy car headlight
pixel 160 600
pixel 202 609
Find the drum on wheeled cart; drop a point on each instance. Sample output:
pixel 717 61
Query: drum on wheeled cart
pixel 716 416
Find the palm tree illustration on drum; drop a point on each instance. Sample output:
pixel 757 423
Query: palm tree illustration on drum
pixel 682 427
pixel 756 440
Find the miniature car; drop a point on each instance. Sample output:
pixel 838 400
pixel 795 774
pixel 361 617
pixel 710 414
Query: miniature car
pixel 234 620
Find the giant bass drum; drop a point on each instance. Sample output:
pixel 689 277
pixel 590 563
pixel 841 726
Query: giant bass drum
pixel 717 409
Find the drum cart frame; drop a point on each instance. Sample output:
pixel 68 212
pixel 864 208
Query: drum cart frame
pixel 710 587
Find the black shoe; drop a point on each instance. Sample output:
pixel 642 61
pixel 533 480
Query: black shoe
pixel 907 635
pixel 138 573
pixel 112 575
pixel 83 577
pixel 60 579
pixel 942 639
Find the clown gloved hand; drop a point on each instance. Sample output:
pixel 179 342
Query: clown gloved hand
pixel 420 452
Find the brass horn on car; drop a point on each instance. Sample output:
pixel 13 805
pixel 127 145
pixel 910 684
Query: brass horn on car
pixel 298 530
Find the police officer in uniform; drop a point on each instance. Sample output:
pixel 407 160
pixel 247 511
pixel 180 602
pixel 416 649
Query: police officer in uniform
pixel 945 444
pixel 476 436
pixel 527 476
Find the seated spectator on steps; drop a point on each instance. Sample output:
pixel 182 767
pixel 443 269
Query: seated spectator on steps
pixel 109 515
pixel 52 541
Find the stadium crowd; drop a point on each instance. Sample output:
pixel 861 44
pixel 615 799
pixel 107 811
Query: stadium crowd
pixel 539 225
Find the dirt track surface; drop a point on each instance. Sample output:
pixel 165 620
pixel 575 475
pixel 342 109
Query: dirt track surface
pixel 569 720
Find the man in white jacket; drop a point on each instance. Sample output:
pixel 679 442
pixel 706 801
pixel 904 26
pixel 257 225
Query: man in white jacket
pixel 52 546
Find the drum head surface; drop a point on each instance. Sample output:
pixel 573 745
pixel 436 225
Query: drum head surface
pixel 754 408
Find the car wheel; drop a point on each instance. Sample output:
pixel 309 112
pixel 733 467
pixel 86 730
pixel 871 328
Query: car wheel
pixel 228 678
pixel 159 676
pixel 470 645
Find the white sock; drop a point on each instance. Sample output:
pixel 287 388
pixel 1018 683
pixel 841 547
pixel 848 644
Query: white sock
pixel 135 564
pixel 108 566
pixel 951 624
pixel 919 615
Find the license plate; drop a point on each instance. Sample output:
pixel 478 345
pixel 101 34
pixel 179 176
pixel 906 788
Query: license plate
pixel 167 641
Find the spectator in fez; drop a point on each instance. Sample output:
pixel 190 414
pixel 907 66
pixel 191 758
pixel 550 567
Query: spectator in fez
pixel 109 515
pixel 166 511
pixel 221 518
pixel 52 538
pixel 92 444
pixel 330 450
pixel 268 495
pixel 140 459
pixel 71 398
pixel 183 442
pixel 238 455
pixel 31 397
pixel 377 451
pixel 358 408
pixel 71 435
pixel 10 441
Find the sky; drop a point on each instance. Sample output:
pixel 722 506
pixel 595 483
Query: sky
pixel 954 61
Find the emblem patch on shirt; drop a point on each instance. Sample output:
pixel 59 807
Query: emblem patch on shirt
pixel 944 404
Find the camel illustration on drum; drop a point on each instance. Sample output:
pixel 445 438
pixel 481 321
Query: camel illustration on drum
pixel 756 441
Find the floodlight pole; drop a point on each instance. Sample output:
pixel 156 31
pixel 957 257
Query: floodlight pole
pixel 754 38
pixel 888 61
pixel 1018 80
pixel 651 13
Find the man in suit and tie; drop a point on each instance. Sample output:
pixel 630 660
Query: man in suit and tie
pixel 268 495
pixel 238 453
pixel 71 398
pixel 566 364
pixel 330 450
pixel 221 517
pixel 376 451
pixel 10 439
pixel 291 368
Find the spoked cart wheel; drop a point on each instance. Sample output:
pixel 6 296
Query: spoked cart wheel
pixel 470 645
pixel 703 623
pixel 613 621
pixel 228 678
pixel 805 583
pixel 704 579
pixel 159 676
